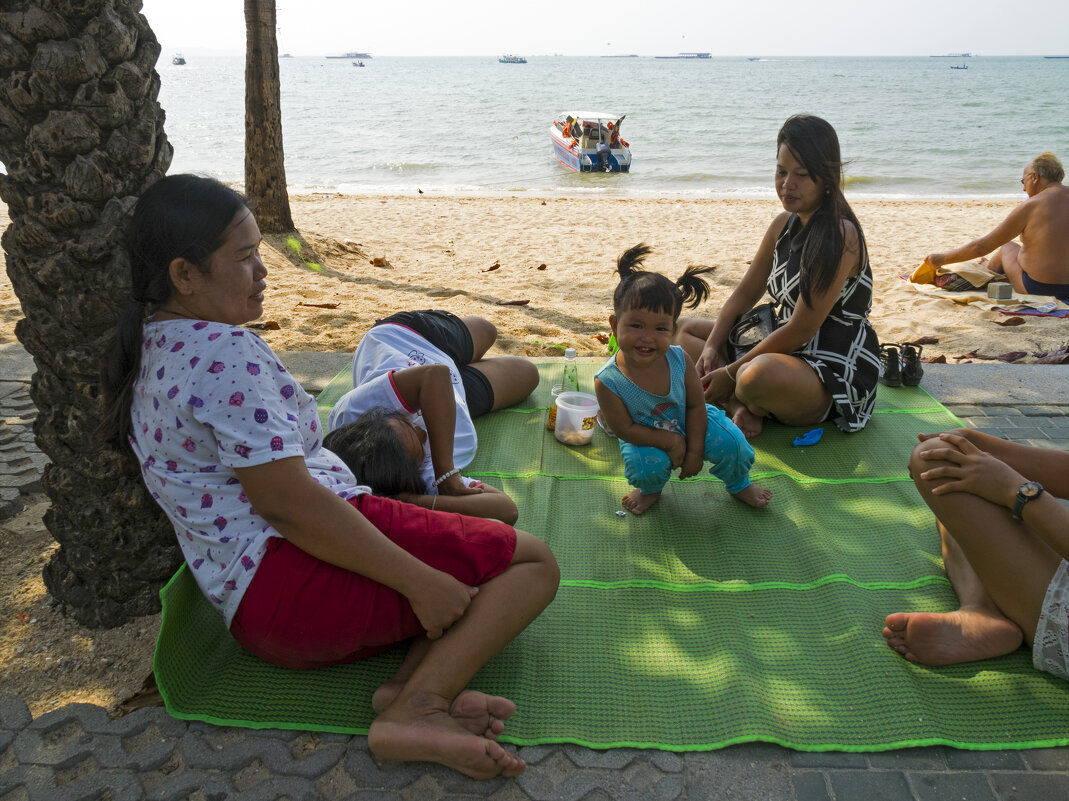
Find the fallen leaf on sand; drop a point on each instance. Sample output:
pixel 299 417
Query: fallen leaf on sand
pixel 1010 321
pixel 940 359
pixel 320 305
pixel 541 266
pixel 1059 356
pixel 602 338
pixel 924 341
pixel 266 325
pixel 495 266
pixel 1012 356
pixel 513 303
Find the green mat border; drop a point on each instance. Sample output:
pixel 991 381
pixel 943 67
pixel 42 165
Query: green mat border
pixel 183 575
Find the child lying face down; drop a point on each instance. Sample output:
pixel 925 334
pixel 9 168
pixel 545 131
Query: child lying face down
pixel 650 395
pixel 428 375
pixel 390 452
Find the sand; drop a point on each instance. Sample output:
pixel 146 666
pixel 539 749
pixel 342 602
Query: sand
pixel 472 256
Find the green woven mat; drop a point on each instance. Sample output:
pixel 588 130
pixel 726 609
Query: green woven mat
pixel 700 624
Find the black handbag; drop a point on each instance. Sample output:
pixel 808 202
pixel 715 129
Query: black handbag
pixel 751 328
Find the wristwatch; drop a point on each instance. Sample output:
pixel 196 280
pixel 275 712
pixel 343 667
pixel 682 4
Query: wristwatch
pixel 1028 491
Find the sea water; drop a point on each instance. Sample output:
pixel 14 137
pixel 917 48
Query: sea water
pixel 909 127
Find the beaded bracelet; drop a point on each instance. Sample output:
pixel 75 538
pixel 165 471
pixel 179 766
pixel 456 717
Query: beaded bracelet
pixel 454 472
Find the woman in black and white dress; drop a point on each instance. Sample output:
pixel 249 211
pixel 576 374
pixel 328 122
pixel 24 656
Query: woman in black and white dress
pixel 823 360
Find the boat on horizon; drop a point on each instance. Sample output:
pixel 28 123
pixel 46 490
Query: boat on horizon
pixel 508 58
pixel 688 55
pixel 358 63
pixel 178 60
pixel 589 141
pixel 953 55
pixel 956 67
pixel 351 55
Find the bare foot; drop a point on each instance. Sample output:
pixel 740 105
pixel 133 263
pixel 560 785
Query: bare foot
pixel 754 496
pixel 947 639
pixel 749 423
pixel 482 714
pixel 426 733
pixel 477 712
pixel 637 503
pixel 384 695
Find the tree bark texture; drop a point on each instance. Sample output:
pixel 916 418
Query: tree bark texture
pixel 81 135
pixel 265 167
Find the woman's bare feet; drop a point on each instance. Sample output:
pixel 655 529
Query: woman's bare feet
pixel 477 712
pixel 637 503
pixel 754 496
pixel 947 639
pixel 422 730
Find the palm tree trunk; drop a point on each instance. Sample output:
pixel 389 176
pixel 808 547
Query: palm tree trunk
pixel 81 135
pixel 265 168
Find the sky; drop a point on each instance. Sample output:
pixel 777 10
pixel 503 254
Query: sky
pixel 644 27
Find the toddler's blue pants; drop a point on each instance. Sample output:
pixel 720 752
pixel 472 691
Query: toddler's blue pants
pixel 648 468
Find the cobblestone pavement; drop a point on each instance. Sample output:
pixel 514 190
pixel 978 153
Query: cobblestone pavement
pixel 78 753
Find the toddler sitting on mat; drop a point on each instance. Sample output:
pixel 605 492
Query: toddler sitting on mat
pixel 650 395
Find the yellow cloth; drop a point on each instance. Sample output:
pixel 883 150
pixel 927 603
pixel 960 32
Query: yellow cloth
pixel 972 272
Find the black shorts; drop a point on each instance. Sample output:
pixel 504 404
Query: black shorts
pixel 448 333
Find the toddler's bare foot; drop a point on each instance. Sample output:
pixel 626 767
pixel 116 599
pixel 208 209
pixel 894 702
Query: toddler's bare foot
pixel 754 496
pixel 425 732
pixel 637 503
pixel 947 639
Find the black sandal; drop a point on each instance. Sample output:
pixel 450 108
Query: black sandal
pixel 891 374
pixel 912 372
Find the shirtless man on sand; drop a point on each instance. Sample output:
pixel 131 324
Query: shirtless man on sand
pixel 1005 546
pixel 1040 264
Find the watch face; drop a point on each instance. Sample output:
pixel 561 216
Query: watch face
pixel 1031 489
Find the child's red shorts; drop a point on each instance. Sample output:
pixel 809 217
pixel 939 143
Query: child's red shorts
pixel 300 612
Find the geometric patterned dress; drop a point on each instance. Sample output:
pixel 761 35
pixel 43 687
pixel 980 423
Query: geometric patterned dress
pixel 845 351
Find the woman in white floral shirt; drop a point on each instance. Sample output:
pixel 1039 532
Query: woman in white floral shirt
pixel 305 566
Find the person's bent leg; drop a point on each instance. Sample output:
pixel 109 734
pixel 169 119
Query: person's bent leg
pixel 999 567
pixel 779 385
pixel 512 378
pixel 691 334
pixel 976 630
pixel 1007 261
pixel 646 469
pixel 483 335
pixel 731 458
pixel 417 725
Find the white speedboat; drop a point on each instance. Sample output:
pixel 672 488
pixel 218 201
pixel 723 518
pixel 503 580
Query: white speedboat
pixel 589 141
